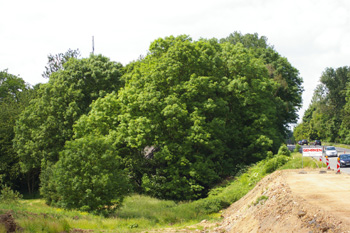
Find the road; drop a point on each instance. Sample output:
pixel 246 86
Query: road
pixel 332 160
pixel 328 191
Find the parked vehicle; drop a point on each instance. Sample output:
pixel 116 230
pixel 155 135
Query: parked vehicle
pixel 344 160
pixel 299 142
pixel 317 143
pixel 304 142
pixel 331 151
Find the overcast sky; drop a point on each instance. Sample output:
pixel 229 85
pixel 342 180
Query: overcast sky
pixel 311 34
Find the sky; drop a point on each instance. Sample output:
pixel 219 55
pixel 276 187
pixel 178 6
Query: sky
pixel 311 34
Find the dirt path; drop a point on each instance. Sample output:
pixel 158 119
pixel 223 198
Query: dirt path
pixel 329 191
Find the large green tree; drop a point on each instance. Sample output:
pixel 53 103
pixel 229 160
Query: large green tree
pixel 189 114
pixel 289 83
pixel 47 123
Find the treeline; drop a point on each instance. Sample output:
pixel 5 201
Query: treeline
pixel 170 125
pixel 328 116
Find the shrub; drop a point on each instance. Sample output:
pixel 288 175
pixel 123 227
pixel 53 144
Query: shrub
pixel 211 205
pixel 88 176
pixel 283 150
pixel 297 148
pixel 273 164
pixel 8 195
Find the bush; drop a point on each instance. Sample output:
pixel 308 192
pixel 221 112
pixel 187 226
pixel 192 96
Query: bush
pixel 88 177
pixel 9 196
pixel 210 205
pixel 297 148
pixel 273 164
pixel 283 150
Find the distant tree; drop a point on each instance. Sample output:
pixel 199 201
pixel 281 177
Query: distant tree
pixel 335 81
pixel 344 131
pixel 11 86
pixel 55 62
pixel 326 117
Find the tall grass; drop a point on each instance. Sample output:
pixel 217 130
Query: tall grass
pixel 140 213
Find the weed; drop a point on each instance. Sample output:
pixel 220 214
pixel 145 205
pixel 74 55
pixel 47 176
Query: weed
pixel 260 200
pixel 3 228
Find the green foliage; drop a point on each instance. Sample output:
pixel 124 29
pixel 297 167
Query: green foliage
pixel 260 200
pixel 274 163
pixel 44 224
pixel 190 113
pixel 287 80
pixel 11 86
pixel 9 196
pixel 283 150
pixel 15 95
pixel 88 177
pixel 47 123
pixel 298 162
pixel 203 106
pixel 327 118
pixel 210 205
pixel 55 62
pixel 297 148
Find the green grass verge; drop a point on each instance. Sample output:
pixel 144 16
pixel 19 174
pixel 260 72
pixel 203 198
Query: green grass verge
pixel 140 213
pixel 336 144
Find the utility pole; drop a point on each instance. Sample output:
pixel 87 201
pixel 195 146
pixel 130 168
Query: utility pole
pixel 93 45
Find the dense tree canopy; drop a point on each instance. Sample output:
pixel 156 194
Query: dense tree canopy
pixel 15 95
pixel 327 116
pixel 171 124
pixel 11 86
pixel 289 83
pixel 203 107
pixel 47 123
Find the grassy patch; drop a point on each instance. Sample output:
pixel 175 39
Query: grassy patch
pixel 336 144
pixel 298 162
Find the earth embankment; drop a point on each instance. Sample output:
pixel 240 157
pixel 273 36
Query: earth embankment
pixel 292 201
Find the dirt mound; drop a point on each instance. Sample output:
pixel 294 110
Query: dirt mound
pixel 8 221
pixel 273 206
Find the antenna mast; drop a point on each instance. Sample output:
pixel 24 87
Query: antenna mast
pixel 93 45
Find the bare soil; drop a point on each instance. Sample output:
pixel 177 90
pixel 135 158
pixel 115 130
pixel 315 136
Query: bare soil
pixel 297 201
pixel 288 201
pixel 9 223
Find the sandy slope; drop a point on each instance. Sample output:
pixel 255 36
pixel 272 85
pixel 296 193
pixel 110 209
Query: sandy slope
pixel 292 201
pixel 311 202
